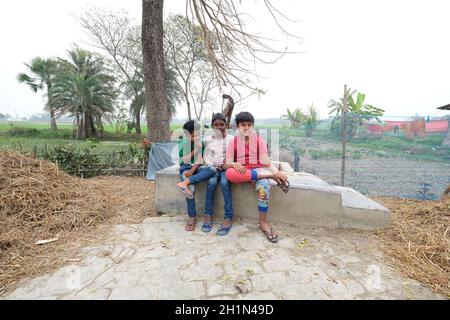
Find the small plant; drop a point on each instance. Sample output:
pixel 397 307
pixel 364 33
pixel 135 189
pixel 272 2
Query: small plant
pixel 326 154
pixel 423 192
pixel 356 154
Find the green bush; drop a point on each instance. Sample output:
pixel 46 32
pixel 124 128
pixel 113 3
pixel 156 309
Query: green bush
pixel 66 134
pixel 356 154
pixel 23 132
pixel 70 158
pixel 40 133
pixel 431 140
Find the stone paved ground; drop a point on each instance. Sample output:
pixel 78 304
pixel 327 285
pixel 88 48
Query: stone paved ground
pixel 159 260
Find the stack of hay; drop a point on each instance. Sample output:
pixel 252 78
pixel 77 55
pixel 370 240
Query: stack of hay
pixel 418 240
pixel 38 202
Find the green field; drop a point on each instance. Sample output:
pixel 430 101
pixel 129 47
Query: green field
pixel 28 144
pixel 26 136
pixel 66 126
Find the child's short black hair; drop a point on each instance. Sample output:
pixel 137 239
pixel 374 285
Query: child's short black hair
pixel 245 117
pixel 218 116
pixel 191 126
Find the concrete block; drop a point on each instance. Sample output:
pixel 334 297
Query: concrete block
pixel 360 212
pixel 310 201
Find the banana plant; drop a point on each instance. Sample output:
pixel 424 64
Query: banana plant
pixel 357 110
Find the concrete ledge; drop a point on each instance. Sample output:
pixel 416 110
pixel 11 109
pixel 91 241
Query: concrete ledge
pixel 360 212
pixel 310 201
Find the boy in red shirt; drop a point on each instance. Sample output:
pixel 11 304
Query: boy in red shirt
pixel 247 160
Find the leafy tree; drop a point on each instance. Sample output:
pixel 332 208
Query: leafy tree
pixel 84 88
pixel 295 117
pixel 310 120
pixel 42 74
pixel 358 111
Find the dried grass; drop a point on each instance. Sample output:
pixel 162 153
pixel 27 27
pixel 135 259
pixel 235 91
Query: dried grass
pixel 417 242
pixel 38 202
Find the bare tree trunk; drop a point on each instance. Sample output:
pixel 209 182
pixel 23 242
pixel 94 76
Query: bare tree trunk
pixel 53 119
pixel 188 104
pixel 158 113
pixel 138 123
pixel 53 125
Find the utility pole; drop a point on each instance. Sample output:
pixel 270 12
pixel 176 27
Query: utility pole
pixel 344 132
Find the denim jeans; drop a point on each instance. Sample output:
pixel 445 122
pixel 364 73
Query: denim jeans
pixel 226 191
pixel 202 174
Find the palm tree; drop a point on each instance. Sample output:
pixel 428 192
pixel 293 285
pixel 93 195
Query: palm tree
pixel 43 72
pixel 85 89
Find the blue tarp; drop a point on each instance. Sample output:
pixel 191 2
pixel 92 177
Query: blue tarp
pixel 162 155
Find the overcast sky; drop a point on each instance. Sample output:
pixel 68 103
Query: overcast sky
pixel 397 52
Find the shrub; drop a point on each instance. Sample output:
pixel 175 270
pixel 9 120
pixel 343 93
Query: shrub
pixel 356 154
pixel 23 132
pixel 70 158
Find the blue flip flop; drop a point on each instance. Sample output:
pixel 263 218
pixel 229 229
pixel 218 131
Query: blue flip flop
pixel 207 227
pixel 223 231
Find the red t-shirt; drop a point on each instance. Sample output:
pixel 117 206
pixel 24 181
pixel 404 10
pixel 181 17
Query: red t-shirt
pixel 247 154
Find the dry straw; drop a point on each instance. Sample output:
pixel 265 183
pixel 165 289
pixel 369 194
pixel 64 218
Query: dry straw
pixel 40 202
pixel 417 243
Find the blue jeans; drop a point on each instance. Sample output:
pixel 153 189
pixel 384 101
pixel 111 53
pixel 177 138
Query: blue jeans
pixel 226 191
pixel 202 174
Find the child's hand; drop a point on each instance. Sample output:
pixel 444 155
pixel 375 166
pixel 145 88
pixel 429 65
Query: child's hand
pixel 239 168
pixel 188 174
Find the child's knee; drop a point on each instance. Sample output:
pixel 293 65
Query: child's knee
pixel 212 182
pixel 232 175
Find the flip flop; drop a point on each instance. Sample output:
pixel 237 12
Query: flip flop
pixel 284 186
pixel 223 231
pixel 186 192
pixel 270 236
pixel 206 228
pixel 190 226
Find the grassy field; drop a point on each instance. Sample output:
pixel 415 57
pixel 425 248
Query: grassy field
pixel 27 135
pixel 4 126
pixel 28 144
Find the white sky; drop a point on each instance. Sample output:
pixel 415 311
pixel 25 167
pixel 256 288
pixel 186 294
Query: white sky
pixel 397 52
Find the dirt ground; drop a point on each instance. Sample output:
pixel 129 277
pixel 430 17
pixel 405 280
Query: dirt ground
pixel 379 176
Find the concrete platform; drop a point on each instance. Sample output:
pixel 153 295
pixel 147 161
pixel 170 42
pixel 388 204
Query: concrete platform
pixel 310 202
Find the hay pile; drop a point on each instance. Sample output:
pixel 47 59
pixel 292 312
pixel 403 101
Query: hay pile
pixel 40 202
pixel 418 240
